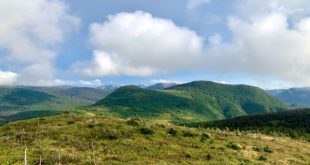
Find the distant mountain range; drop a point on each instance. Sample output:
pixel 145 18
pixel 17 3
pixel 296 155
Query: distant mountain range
pixel 293 96
pixel 160 86
pixel 199 100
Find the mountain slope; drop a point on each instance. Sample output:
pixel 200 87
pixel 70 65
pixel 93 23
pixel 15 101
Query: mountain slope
pixel 231 100
pixel 160 86
pixel 84 93
pixel 197 100
pixel 293 123
pixel 90 94
pixel 19 96
pixel 295 96
pixel 20 103
pixel 132 100
pixel 72 139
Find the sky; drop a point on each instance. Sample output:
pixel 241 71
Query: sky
pixel 91 43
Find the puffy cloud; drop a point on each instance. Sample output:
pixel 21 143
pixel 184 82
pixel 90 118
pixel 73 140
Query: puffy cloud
pixel 7 78
pixel 271 45
pixel 138 44
pixel 193 4
pixel 29 32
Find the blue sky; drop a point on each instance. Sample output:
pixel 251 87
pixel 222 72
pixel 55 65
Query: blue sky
pixel 91 43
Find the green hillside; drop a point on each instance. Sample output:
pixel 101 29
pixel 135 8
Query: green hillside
pixel 19 96
pixel 19 103
pixel 90 94
pixel 294 124
pixel 134 101
pixel 71 139
pixel 200 100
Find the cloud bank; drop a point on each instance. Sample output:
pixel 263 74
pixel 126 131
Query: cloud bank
pixel 7 78
pixel 138 44
pixel 29 33
pixel 269 43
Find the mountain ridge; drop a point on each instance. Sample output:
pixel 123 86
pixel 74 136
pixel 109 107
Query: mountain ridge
pixel 214 100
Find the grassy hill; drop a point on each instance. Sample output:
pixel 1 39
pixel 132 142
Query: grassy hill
pixel 294 123
pixel 21 103
pixel 200 100
pixel 88 139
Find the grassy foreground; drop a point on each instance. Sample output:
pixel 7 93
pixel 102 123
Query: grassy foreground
pixel 72 139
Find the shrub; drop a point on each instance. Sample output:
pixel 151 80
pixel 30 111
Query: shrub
pixel 71 122
pixel 90 125
pixel 172 132
pixel 267 149
pixel 112 135
pixel 233 146
pixel 188 133
pixel 204 136
pixel 256 148
pixel 146 131
pixel 136 121
pixel 188 155
pixel 208 157
pixel 262 158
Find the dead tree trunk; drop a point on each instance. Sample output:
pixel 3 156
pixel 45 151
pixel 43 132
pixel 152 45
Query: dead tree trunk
pixel 25 155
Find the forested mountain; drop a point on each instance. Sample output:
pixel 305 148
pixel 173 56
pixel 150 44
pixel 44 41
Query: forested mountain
pixel 293 123
pixel 200 100
pixel 293 96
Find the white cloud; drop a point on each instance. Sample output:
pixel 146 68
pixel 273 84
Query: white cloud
pixel 216 39
pixel 138 44
pixel 52 82
pixel 193 4
pixel 271 45
pixel 7 78
pixel 96 82
pixel 30 31
pixel 156 81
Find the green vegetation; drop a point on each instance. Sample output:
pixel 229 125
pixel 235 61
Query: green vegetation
pixel 85 139
pixel 131 101
pixel 196 101
pixel 20 103
pixel 296 97
pixel 294 124
pixel 90 94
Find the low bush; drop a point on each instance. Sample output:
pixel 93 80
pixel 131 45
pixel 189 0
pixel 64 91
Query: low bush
pixel 172 131
pixel 267 149
pixel 189 133
pixel 146 131
pixel 233 146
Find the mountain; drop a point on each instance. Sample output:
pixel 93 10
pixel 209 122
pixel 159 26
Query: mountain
pixel 295 96
pixel 199 100
pixel 19 96
pixel 293 123
pixel 87 93
pixel 274 92
pixel 160 86
pixel 110 87
pixel 93 139
pixel 21 103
